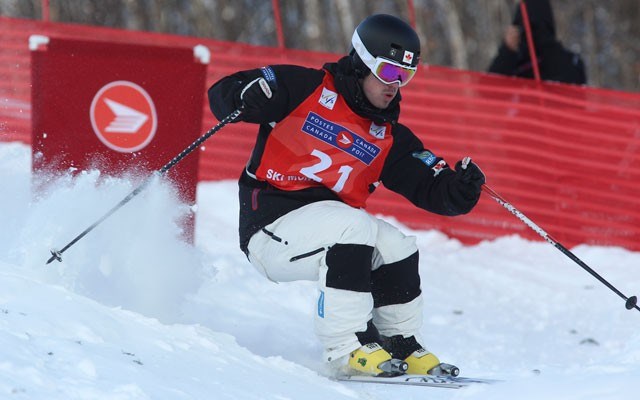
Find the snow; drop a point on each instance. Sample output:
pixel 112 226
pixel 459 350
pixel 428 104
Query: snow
pixel 133 312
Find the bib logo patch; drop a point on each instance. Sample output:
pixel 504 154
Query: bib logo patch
pixel 377 131
pixel 340 137
pixel 345 140
pixel 328 98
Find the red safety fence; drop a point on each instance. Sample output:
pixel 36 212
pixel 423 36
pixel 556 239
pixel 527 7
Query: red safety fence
pixel 566 156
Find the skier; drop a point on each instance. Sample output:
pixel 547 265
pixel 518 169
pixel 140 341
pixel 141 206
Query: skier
pixel 327 138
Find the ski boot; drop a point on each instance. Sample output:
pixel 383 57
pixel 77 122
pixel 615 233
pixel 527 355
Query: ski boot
pixel 419 360
pixel 371 359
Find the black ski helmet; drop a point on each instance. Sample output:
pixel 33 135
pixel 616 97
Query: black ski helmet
pixel 383 35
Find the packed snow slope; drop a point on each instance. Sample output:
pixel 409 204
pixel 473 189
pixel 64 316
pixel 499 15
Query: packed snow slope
pixel 132 312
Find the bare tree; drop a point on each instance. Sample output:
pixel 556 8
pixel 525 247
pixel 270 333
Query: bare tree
pixel 347 20
pixel 454 33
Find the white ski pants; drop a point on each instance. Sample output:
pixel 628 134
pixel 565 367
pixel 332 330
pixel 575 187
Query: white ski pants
pixel 296 247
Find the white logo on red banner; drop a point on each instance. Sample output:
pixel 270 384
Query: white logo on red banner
pixel 123 116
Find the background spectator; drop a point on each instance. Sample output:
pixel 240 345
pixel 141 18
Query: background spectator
pixel 556 63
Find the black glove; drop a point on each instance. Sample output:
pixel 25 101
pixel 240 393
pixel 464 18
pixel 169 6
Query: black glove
pixel 469 178
pixel 467 185
pixel 254 97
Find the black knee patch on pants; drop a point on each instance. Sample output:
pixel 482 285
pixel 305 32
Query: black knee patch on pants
pixel 349 267
pixel 396 283
pixel 371 335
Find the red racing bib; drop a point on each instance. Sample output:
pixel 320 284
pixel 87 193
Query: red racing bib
pixel 323 143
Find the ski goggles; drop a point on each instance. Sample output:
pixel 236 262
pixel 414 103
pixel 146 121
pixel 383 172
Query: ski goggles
pixel 389 72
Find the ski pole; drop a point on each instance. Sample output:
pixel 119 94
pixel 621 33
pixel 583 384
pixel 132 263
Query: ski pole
pixel 630 302
pixel 57 254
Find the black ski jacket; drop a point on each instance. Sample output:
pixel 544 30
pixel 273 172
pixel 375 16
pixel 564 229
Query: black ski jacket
pixel 404 172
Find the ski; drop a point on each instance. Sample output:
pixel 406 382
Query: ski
pixel 445 381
